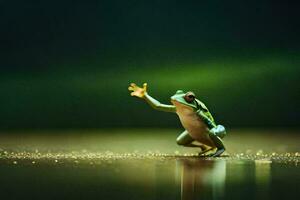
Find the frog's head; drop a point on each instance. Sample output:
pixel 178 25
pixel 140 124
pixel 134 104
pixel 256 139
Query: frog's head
pixel 187 99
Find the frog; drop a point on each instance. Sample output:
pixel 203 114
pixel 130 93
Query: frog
pixel 200 127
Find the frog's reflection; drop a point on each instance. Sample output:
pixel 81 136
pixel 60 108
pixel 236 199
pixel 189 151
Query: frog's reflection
pixel 202 179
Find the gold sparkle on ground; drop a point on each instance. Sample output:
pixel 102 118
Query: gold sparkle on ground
pixel 95 147
pixel 94 157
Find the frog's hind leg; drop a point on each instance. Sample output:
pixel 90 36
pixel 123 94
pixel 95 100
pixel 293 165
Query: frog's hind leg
pixel 184 139
pixel 215 137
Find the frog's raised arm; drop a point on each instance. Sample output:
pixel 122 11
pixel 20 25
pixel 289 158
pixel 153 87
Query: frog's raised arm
pixel 157 105
pixel 142 93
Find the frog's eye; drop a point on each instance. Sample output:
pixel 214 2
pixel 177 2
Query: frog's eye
pixel 179 92
pixel 189 97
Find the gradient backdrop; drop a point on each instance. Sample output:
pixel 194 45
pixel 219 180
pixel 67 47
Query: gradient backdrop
pixel 67 64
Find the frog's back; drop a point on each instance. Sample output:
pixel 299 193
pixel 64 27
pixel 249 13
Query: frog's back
pixel 205 109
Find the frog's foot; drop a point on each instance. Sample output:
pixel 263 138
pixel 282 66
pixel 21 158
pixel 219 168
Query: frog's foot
pixel 217 153
pixel 203 151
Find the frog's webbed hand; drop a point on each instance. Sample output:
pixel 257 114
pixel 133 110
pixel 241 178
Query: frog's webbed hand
pixel 138 91
pixel 142 93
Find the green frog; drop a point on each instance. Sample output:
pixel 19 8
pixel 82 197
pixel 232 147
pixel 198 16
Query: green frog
pixel 200 128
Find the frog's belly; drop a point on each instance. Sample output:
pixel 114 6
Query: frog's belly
pixel 195 126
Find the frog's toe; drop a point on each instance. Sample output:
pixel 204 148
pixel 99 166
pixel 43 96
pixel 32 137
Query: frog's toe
pixel 133 93
pixel 204 151
pixel 132 84
pixel 130 88
pixel 217 153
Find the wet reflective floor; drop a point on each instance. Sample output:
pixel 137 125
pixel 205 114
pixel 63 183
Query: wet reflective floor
pixel 147 164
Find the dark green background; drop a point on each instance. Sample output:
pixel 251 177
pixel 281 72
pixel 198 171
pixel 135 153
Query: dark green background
pixel 67 64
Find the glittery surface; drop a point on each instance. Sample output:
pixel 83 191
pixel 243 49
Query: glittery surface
pixel 139 164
